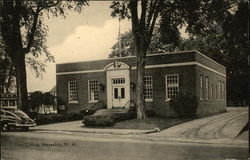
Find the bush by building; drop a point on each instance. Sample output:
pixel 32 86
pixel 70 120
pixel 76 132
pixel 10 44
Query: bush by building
pixel 108 118
pixel 185 105
pixel 55 118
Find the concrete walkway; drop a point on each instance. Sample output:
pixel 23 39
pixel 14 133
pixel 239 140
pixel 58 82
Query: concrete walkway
pixel 215 129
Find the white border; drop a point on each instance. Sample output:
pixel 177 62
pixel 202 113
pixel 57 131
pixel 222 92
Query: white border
pixel 150 66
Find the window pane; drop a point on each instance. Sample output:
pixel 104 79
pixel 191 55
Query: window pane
pixel 122 93
pixel 172 85
pixel 118 80
pixel 73 91
pixel 116 93
pixel 148 80
pixel 93 90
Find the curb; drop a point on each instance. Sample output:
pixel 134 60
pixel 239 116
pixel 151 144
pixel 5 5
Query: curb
pixel 99 132
pixel 229 142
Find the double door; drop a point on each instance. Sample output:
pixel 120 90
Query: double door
pixel 118 92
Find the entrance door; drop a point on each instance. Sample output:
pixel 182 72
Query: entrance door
pixel 118 92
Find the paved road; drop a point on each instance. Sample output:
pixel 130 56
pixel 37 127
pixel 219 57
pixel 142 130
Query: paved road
pixel 73 146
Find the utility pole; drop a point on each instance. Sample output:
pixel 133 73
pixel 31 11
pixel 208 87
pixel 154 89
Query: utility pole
pixel 119 38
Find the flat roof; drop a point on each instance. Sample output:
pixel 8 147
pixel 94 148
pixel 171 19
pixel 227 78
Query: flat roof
pixel 148 55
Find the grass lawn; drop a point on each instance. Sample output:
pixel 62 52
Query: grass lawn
pixel 150 123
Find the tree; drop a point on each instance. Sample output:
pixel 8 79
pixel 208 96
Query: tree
pixel 228 44
pixel 198 16
pixel 38 98
pixel 158 44
pixel 7 72
pixel 24 33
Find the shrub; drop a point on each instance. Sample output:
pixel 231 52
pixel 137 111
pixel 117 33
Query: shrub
pixel 98 120
pixel 185 105
pixel 54 118
pixel 107 119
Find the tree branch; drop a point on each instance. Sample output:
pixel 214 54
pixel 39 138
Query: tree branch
pixel 157 10
pixel 134 14
pixel 31 34
pixel 143 13
pixel 150 12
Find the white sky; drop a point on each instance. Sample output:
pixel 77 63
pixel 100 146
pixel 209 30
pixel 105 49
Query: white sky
pixel 80 37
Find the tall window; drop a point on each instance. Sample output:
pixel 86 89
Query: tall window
pixel 201 88
pixel 72 89
pixel 219 87
pixel 206 88
pixel 211 91
pixel 217 91
pixel 172 86
pixel 148 87
pixel 93 90
pixel 223 90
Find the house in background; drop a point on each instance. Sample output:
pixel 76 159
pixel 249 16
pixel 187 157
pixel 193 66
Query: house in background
pixel 53 91
pixel 113 82
pixel 8 101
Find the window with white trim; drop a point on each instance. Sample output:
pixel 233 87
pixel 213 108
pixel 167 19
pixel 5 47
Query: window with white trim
pixel 206 88
pixel 148 88
pixel 217 91
pixel 201 87
pixel 211 91
pixel 93 90
pixel 220 93
pixel 172 86
pixel 72 91
pixel 223 91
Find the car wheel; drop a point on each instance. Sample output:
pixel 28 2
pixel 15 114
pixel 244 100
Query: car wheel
pixel 4 127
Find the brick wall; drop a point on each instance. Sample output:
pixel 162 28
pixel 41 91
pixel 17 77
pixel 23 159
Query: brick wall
pixel 189 81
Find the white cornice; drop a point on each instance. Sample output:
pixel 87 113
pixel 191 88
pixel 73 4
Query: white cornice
pixel 148 67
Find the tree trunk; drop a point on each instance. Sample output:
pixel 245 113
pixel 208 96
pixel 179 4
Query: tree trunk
pixel 21 81
pixel 141 60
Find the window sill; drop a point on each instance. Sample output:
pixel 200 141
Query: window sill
pixel 167 100
pixel 148 100
pixel 73 102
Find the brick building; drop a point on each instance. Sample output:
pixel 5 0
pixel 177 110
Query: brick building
pixel 113 82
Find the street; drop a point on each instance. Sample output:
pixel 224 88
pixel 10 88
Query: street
pixel 73 145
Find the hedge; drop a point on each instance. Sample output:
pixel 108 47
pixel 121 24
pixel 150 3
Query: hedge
pixel 107 119
pixel 185 105
pixel 54 118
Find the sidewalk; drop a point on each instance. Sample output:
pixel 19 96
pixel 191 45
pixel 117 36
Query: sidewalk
pixel 77 126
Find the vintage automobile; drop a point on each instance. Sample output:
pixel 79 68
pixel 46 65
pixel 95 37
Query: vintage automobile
pixel 15 119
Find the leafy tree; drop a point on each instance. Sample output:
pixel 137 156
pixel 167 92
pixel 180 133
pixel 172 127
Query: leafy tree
pixel 24 35
pixel 228 44
pixel 198 17
pixel 158 44
pixel 38 98
pixel 7 72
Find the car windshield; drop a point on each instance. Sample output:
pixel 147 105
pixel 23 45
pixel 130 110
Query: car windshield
pixel 21 114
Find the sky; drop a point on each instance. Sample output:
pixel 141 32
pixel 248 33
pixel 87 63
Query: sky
pixel 80 37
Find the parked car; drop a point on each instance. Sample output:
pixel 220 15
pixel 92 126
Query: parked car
pixel 15 119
